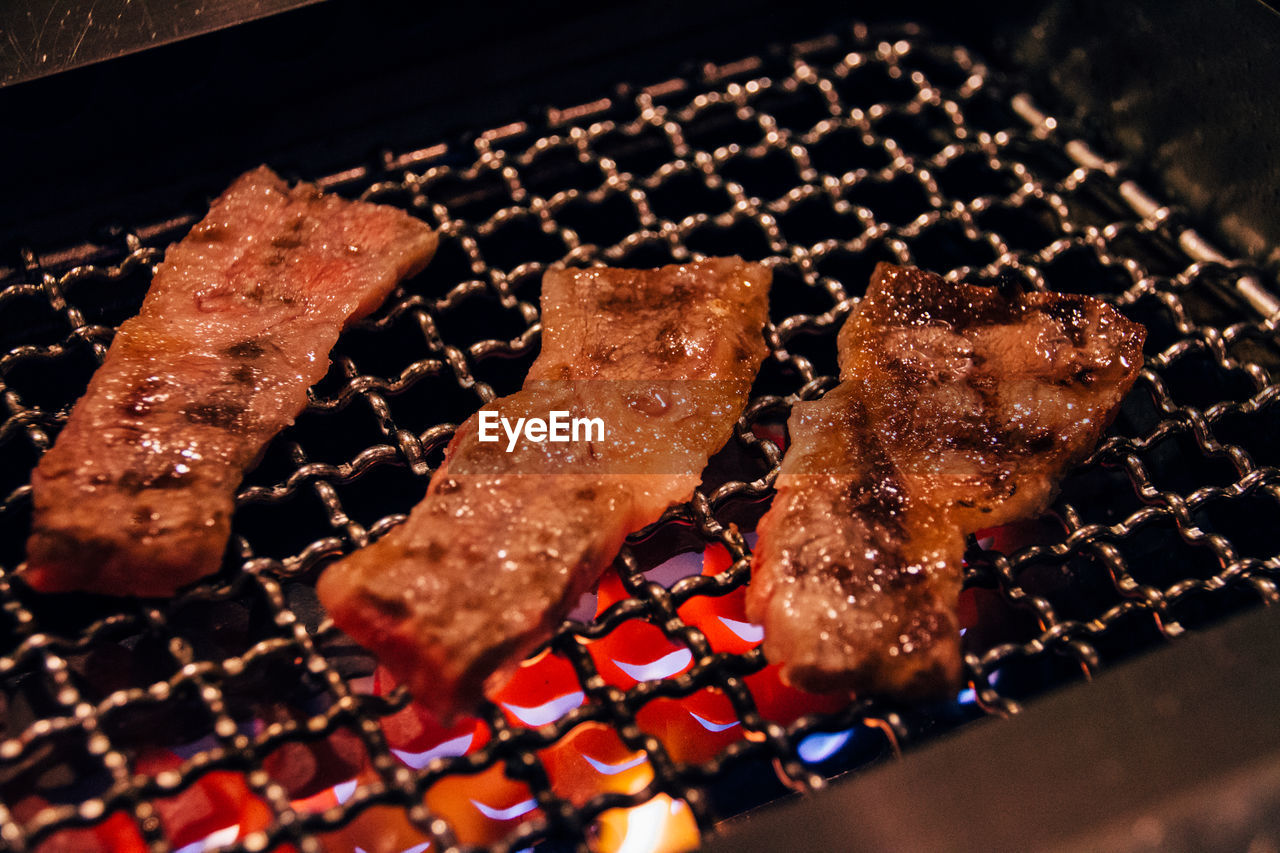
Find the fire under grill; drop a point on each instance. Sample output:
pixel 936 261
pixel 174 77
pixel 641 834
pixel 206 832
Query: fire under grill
pixel 235 716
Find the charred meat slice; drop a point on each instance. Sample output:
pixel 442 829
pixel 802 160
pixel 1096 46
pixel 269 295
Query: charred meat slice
pixel 958 409
pixel 135 497
pixel 505 542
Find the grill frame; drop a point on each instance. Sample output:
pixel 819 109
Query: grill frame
pixel 505 152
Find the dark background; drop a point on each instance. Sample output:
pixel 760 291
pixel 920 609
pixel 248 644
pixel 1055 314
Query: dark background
pixel 1186 89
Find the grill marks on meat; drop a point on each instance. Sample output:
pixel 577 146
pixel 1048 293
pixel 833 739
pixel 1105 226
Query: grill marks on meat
pixel 137 493
pixel 958 409
pixel 504 544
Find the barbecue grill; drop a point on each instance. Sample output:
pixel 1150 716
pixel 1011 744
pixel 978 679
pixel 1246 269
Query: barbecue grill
pixel 236 717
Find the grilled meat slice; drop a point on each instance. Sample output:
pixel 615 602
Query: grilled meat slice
pixel 505 542
pixel 135 497
pixel 958 409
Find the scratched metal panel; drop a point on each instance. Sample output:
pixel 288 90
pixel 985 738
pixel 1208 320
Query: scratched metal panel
pixel 42 37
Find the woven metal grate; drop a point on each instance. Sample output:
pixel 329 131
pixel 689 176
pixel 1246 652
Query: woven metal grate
pixel 820 159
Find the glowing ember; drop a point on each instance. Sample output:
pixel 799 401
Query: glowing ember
pixel 541 691
pixel 449 749
pixel 220 808
pixel 591 759
pixel 482 808
pixel 662 825
pixel 637 651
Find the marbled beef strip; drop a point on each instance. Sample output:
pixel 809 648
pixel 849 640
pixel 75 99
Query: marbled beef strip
pixel 136 495
pixel 958 409
pixel 504 543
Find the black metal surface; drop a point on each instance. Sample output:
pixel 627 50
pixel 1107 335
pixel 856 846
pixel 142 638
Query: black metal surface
pixel 820 159
pixel 327 87
pixel 1176 751
pixel 1186 86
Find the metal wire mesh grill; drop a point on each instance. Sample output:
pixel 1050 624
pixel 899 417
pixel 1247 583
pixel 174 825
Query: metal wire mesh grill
pixel 820 160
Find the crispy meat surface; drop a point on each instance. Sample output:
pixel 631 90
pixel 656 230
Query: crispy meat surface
pixel 505 542
pixel 958 409
pixel 136 495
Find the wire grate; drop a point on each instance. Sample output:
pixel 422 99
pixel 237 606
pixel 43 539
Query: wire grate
pixel 820 160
